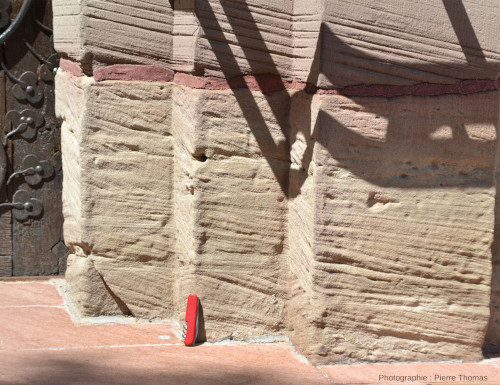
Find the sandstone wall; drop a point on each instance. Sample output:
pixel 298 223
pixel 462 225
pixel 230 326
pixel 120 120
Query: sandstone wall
pixel 321 169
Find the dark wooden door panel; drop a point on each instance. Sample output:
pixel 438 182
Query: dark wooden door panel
pixel 5 218
pixel 35 242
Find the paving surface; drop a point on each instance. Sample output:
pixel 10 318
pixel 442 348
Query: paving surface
pixel 40 344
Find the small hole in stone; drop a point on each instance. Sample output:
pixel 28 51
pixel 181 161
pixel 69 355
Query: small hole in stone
pixel 403 176
pixel 201 158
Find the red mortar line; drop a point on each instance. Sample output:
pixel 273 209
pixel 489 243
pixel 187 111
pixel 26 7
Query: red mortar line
pixel 269 84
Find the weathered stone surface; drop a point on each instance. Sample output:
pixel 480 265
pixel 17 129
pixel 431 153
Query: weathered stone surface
pixel 69 36
pixel 70 106
pixel 88 289
pixel 129 150
pixel 492 339
pixel 307 19
pixel 232 123
pixel 185 30
pixel 245 37
pixel 381 209
pixel 118 166
pixel 397 254
pixel 356 42
pixel 230 215
pixel 95 32
pixel 419 41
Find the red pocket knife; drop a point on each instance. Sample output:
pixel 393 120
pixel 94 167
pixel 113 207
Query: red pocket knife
pixel 190 331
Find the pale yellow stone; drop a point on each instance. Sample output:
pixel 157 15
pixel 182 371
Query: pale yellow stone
pixel 361 227
pixel 118 182
pixel 230 212
pixel 89 291
pixel 97 32
pixel 398 228
pixel 231 123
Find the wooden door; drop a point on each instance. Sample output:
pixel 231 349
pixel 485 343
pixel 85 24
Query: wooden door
pixel 31 218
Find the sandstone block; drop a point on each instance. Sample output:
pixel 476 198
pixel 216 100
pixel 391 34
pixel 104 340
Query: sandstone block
pixel 419 41
pixel 334 43
pixel 96 32
pixel 232 123
pixel 69 36
pixel 231 220
pixel 397 263
pixel 70 106
pixel 307 18
pixel 241 37
pixel 118 187
pixel 492 339
pixel 89 291
pixel 185 30
pixel 230 209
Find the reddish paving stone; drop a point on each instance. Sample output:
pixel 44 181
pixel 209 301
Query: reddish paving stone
pixel 29 294
pixel 40 344
pixel 51 327
pixel 371 374
pixel 221 365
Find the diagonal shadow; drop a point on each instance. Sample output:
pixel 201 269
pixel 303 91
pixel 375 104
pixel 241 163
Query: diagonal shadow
pixel 465 33
pixel 409 156
pixel 338 139
pixel 246 101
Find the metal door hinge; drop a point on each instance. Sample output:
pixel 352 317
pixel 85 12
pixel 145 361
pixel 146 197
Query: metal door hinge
pixel 33 170
pixel 25 122
pixel 23 206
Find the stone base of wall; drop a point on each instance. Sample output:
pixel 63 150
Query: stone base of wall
pixel 324 169
pixel 360 226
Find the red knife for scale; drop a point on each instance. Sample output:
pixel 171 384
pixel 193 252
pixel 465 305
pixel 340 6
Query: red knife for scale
pixel 190 331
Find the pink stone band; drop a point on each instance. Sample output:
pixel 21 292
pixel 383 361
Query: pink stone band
pixel 269 84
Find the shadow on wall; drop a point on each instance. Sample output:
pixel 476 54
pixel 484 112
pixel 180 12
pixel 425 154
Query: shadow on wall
pixel 445 154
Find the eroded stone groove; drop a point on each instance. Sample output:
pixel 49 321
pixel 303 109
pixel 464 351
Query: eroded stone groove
pixel 303 169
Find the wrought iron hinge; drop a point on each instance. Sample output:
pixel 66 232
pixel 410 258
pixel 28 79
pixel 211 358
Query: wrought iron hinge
pixel 33 170
pixel 25 122
pixel 48 66
pixel 26 87
pixel 23 206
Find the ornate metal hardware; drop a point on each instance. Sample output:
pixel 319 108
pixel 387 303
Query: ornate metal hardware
pixel 4 5
pixel 49 65
pixel 26 87
pixel 34 170
pixel 26 123
pixel 23 206
pixel 3 165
